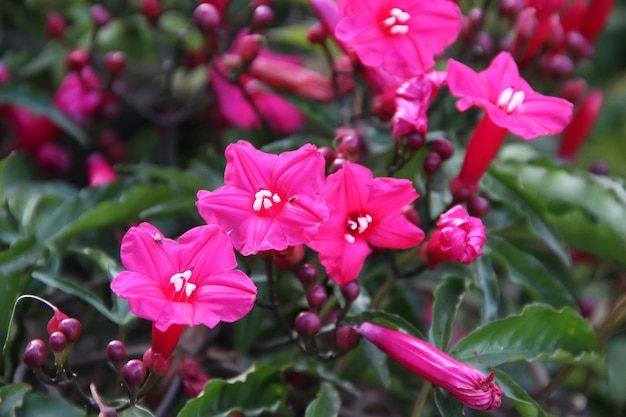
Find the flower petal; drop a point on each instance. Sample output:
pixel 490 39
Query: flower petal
pixel 343 260
pixel 247 167
pixel 299 172
pixel 206 251
pixel 466 83
pixel 144 249
pixel 144 294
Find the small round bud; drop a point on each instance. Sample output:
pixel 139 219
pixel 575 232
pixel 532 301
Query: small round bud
pixel 114 62
pixel 600 168
pixel 307 273
pixel 443 147
pixel 347 337
pixel 350 290
pixel 249 47
pixel 206 17
pixel 78 59
pixel 351 144
pixel 337 164
pixel 384 105
pixel 116 352
pixel 268 3
pixel 484 45
pixel 560 65
pixel 526 25
pixel 432 163
pixel 577 43
pixel 288 258
pixel 99 15
pixel 151 9
pixel 55 25
pixel 511 7
pixel 134 372
pixel 317 33
pixel 411 214
pixel 308 323
pixel 460 191
pixel 328 154
pixel 53 323
pixel 474 17
pixel 478 206
pixel 415 141
pixel 71 328
pixel 57 342
pixel 35 353
pixel 316 296
pixel 263 16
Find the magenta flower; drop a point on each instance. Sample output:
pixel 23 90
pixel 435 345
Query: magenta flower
pixel 184 283
pixel 80 96
pixel 364 211
pixel 459 237
pixel 29 130
pixel 467 384
pixel 399 36
pixel 412 99
pixel 511 105
pixel 268 201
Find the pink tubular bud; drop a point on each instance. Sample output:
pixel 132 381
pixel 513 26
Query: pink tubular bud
pixel 576 133
pixel 164 342
pixel 53 323
pixel 459 237
pixel 99 171
pixel 249 47
pixel 574 16
pixel 595 19
pixel 467 384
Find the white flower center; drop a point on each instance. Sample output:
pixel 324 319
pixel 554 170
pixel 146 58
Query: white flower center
pixel 264 199
pixel 510 100
pixel 180 280
pixel 356 224
pixel 395 24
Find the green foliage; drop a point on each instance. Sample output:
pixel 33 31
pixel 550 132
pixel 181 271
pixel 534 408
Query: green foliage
pixel 326 404
pixel 448 297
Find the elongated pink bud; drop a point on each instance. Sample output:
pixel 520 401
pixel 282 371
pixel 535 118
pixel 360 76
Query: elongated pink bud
pixel 99 171
pixel 467 384
pixel 597 14
pixel 576 133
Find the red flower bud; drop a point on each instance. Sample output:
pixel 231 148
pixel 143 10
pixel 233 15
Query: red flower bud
pixel 114 62
pixel 53 323
pixel 100 16
pixel 55 25
pixel 78 59
pixel 116 352
pixel 350 290
pixel 263 16
pixel 317 33
pixel 316 296
pixel 71 328
pixel 249 47
pixel 307 273
pixel 134 372
pixel 35 353
pixel 57 342
pixel 308 323
pixel 576 133
pixel 151 9
pixel 347 337
pixel 206 17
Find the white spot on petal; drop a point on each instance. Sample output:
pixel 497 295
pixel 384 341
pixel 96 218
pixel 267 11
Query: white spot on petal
pixel 349 238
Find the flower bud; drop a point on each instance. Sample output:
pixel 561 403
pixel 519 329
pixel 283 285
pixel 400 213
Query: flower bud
pixel 71 328
pixel 99 171
pixel 99 15
pixel 249 47
pixel 350 290
pixel 460 191
pixel 415 141
pixel 432 163
pixel 442 147
pixel 576 133
pixel 338 163
pixel 317 33
pixel 35 353
pixel 478 206
pixel 483 46
pixel 526 25
pixel 308 323
pixel 511 7
pixel 55 25
pixel 573 90
pixel 53 323
pixel 53 158
pixel 116 352
pixel 134 372
pixel 316 296
pixel 114 62
pixel 288 258
pixel 459 237
pixel 347 337
pixel 112 146
pixel 560 66
pixel 57 342
pixel 580 47
pixel 78 59
pixel 206 17
pixel 151 9
pixel 307 273
pixel 411 214
pixel 598 13
pixel 263 17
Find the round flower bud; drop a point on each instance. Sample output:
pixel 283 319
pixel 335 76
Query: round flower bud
pixel 600 168
pixel 317 33
pixel 432 163
pixel 206 17
pixel 249 47
pixel 99 15
pixel 55 25
pixel 263 16
pixel 78 59
pixel 337 164
pixel 415 141
pixel 35 353
pixel 134 372
pixel 411 214
pixel 350 290
pixel 53 323
pixel 328 154
pixel 268 3
pixel 511 7
pixel 288 258
pixel 308 323
pixel 443 147
pixel 460 191
pixel 478 206
pixel 114 62
pixel 347 337
pixel 57 342
pixel 151 9
pixel 307 273
pixel 316 296
pixel 116 352
pixel 71 328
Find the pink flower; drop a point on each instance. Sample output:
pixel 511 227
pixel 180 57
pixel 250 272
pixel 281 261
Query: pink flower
pixel 99 171
pixel 459 237
pixel 467 384
pixel 511 106
pixel 401 37
pixel 364 211
pixel 184 283
pixel 412 100
pixel 268 201
pixel 80 96
pixel 193 377
pixel 29 131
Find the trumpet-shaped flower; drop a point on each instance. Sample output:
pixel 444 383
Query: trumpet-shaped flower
pixel 184 283
pixel 402 37
pixel 364 211
pixel 268 201
pixel 466 383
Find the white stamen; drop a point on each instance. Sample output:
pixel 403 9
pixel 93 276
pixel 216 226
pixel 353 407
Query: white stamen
pixel 390 21
pixel 516 101
pixel 180 279
pixel 189 288
pixel 352 225
pixel 265 199
pixel 363 223
pixel 505 97
pixel 276 198
pixel 267 203
pixel 349 238
pixel 368 218
pixel 510 100
pixel 400 14
pixel 399 30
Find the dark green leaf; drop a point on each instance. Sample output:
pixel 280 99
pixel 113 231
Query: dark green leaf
pixel 448 405
pixel 527 271
pixel 378 360
pixel 539 333
pixel 448 297
pixel 11 398
pixel 22 254
pixel 326 404
pixel 486 280
pixel 136 411
pixel 41 405
pixel 258 390
pixel 525 405
pixel 390 321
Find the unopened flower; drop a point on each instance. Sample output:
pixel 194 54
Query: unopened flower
pixel 80 96
pixel 401 37
pixel 364 211
pixel 268 202
pixel 459 237
pixel 193 377
pixel 467 384
pixel 99 171
pixel 29 130
pixel 412 99
pixel 577 131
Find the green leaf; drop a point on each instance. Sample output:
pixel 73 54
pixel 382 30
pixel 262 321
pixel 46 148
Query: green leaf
pixel 525 405
pixel 486 280
pixel 539 333
pixel 527 271
pixel 448 405
pixel 326 404
pixel 41 405
pixel 260 389
pixel 448 297
pixel 378 360
pixel 12 398
pixel 21 255
pixel 391 321
pixel 136 411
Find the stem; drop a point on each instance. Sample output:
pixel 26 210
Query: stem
pixel 273 304
pixel 421 400
pixel 345 110
pixel 383 291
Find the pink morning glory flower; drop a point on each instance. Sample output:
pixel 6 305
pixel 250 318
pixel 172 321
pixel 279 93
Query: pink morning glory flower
pixel 511 105
pixel 182 283
pixel 268 201
pixel 459 237
pixel 364 211
pixel 402 37
pixel 467 384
